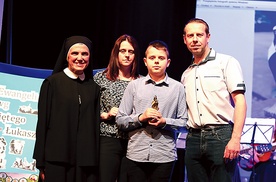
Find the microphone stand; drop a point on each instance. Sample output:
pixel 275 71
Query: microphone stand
pixel 252 143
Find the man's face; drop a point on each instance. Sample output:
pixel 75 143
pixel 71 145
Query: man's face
pixel 196 38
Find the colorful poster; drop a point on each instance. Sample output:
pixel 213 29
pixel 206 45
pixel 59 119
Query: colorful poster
pixel 18 117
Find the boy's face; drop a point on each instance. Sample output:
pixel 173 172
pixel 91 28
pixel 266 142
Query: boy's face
pixel 157 62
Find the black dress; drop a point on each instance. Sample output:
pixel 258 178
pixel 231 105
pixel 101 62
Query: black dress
pixel 68 122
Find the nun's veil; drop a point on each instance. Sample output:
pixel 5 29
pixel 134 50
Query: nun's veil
pixel 62 58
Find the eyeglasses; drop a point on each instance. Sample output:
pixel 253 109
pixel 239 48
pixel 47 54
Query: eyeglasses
pixel 123 51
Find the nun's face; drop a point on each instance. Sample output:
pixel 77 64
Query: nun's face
pixel 78 58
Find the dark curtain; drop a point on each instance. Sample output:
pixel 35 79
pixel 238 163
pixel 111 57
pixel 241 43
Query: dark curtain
pixel 39 28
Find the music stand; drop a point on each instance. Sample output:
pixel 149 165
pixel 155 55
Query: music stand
pixel 257 131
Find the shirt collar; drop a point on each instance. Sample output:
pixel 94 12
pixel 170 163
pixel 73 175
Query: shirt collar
pixel 164 82
pixel 211 56
pixel 72 75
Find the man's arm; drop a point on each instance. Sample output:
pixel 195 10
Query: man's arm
pixel 232 149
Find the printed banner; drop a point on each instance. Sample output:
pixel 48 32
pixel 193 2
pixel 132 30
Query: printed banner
pixel 18 117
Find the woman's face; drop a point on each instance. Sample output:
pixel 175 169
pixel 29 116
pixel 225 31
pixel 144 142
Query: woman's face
pixel 126 54
pixel 78 58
